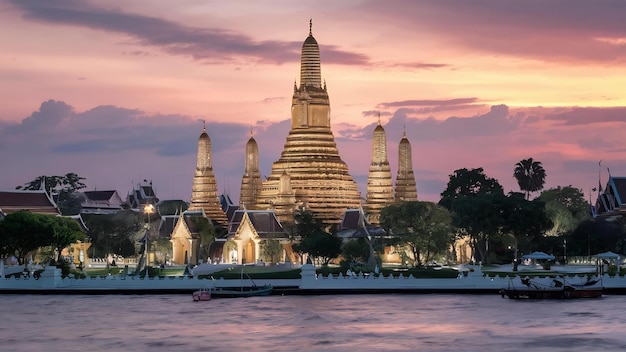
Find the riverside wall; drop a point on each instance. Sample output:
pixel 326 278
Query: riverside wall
pixel 470 280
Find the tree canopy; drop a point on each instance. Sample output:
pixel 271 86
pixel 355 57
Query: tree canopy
pixel 425 228
pixel 464 182
pixel 566 207
pixel 317 243
pixel 23 232
pixel 471 196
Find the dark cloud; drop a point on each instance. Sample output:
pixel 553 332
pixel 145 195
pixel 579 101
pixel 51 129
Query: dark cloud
pixel 114 145
pixel 208 45
pixel 589 115
pixel 50 115
pixel 497 121
pixel 431 102
pixel 417 65
pixel 376 113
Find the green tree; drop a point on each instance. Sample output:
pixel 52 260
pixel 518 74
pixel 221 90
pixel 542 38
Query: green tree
pixel 566 207
pixel 271 250
pixel 115 233
pixel 23 232
pixel 207 233
pixel 479 218
pixel 306 223
pixel 464 182
pixel 530 176
pixel 596 236
pixel 356 250
pixel 425 228
pixel 65 231
pixel 321 246
pixel 471 196
pixel 172 207
pixel 523 219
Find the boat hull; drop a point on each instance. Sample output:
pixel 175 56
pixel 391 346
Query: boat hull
pixel 202 295
pixel 254 291
pixel 557 290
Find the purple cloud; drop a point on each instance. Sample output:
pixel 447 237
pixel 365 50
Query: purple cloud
pixel 208 45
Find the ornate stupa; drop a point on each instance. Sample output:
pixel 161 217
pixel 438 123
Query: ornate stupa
pixel 406 191
pixel 317 175
pixel 251 180
pixel 379 181
pixel 204 189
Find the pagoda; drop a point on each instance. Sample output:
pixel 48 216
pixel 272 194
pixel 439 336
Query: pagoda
pixel 318 178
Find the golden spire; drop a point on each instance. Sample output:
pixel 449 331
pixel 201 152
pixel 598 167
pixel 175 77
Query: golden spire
pixel 203 126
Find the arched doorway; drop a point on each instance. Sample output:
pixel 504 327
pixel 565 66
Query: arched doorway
pixel 230 252
pixel 248 252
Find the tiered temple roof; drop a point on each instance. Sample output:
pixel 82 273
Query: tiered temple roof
pixel 318 177
pixel 204 189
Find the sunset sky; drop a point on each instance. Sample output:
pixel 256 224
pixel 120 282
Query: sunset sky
pixel 117 91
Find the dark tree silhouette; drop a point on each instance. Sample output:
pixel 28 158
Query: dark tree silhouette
pixel 530 176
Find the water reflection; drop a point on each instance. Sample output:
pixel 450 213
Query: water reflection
pixel 310 323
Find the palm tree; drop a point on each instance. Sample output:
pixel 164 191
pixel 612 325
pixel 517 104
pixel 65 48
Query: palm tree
pixel 530 176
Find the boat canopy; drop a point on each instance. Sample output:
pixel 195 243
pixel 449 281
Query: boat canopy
pixel 538 255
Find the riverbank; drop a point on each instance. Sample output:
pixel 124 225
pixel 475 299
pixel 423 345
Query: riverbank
pixel 470 279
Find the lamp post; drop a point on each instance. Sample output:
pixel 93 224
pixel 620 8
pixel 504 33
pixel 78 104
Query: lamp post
pixel 148 209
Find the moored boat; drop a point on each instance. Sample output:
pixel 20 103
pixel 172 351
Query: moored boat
pixel 202 295
pixel 557 288
pixel 249 291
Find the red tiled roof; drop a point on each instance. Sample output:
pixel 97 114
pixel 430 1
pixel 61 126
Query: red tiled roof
pixel 34 201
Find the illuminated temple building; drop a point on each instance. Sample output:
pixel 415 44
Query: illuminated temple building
pixel 204 189
pixel 406 190
pixel 379 182
pixel 310 173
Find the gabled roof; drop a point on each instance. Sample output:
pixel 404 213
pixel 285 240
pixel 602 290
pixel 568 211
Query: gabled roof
pixel 352 226
pixel 101 202
pixel 99 195
pixel 38 201
pixel 264 222
pixel 228 206
pixel 169 222
pixel 142 194
pixel 79 219
pixel 611 201
pixel 166 227
pixel 352 219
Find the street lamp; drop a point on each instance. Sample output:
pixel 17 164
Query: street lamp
pixel 148 209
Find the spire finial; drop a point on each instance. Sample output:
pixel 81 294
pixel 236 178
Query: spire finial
pixel 203 125
pixel 379 116
pixel 311 26
pixel 250 130
pixel 404 131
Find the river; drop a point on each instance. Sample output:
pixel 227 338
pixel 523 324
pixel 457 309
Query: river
pixel 384 322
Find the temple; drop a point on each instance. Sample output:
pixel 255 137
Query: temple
pixel 251 180
pixel 204 189
pixel 379 182
pixel 310 174
pixel 406 190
